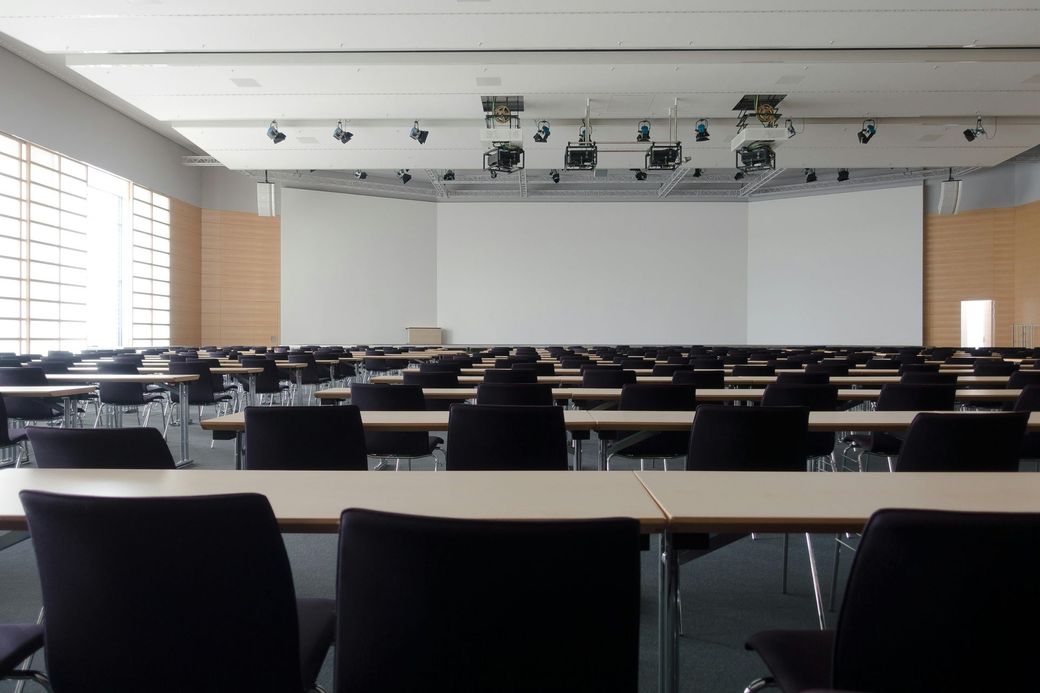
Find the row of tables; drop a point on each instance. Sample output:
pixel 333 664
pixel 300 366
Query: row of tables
pixel 664 503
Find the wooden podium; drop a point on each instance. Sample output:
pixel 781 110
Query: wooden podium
pixel 424 335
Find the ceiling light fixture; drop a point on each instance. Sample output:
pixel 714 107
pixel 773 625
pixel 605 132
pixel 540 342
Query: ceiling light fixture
pixel 697 173
pixel 643 131
pixel 868 131
pixel 403 174
pixel 542 131
pixel 739 175
pixel 276 135
pixel 417 134
pixel 810 175
pixel 843 175
pixel 979 131
pixel 640 174
pixel 449 175
pixel 340 134
pixel 701 128
pixel 360 175
pixel 791 132
pixel 555 175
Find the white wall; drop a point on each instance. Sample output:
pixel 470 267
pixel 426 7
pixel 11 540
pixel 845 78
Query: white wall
pixel 836 269
pixel 356 269
pixel 592 273
pixel 39 107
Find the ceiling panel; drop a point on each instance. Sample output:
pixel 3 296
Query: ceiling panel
pixel 226 25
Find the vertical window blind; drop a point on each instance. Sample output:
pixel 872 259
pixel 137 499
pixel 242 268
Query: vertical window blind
pixel 84 255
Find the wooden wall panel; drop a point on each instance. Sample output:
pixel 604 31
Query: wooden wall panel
pixel 185 273
pixel 241 284
pixel 968 256
pixel 1027 264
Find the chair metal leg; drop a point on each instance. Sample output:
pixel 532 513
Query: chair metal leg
pixel 101 408
pixel 834 573
pixel 760 684
pixel 815 582
pixel 783 577
pixel 891 463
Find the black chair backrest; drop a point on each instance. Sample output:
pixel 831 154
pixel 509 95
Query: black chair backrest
pixel 299 438
pixel 597 377
pixel 1028 399
pixel 657 397
pixel 500 437
pixel 994 367
pixel 670 369
pixel 830 368
pixel 554 642
pixel 956 442
pixel 748 439
pixel 815 396
pixel 28 408
pixel 100 448
pixel 372 397
pixel 199 391
pixel 876 363
pixel 1020 379
pixel 508 375
pixel 968 579
pixel 740 369
pixel 916 397
pixel 19 375
pixel 805 378
pixel 123 598
pixel 701 380
pixel 932 377
pixel 431 378
pixel 515 394
pixel 706 362
pixel 441 367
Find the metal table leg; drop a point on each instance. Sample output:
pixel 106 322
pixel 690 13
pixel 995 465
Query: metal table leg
pixel 299 386
pixel 602 455
pixel 577 454
pixel 182 392
pixel 251 395
pixel 667 593
pixel 68 419
pixel 238 450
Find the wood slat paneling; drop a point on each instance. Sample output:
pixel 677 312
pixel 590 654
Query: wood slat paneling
pixel 185 273
pixel 981 254
pixel 241 284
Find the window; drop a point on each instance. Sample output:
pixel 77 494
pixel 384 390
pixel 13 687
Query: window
pixel 80 251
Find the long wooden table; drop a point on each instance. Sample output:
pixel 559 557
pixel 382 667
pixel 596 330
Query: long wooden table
pixel 805 502
pixel 737 380
pixel 65 392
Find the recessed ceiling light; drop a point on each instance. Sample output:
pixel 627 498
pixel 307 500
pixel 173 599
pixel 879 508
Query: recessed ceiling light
pixel 791 79
pixel 307 140
pixel 489 81
pixel 930 137
pixel 245 82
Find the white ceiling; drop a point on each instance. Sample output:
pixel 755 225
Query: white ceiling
pixel 380 65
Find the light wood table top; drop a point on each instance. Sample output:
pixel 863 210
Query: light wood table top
pixel 459 393
pixel 120 378
pixel 313 501
pixel 819 421
pixel 827 502
pixel 45 390
pixel 574 420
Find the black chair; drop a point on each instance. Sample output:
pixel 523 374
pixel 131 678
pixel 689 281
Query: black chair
pixel 994 367
pixel 1029 401
pixel 123 600
pixel 703 362
pixel 103 448
pixel 748 439
pixel 201 392
pixel 897 397
pixel 669 369
pixel 988 442
pixel 1021 379
pixel 396 445
pixel 29 408
pixel 13 441
pixel 928 377
pixel 502 438
pixel 935 601
pixel 439 379
pixel 804 378
pixel 508 375
pixel 305 438
pixel 18 642
pixel 905 368
pixel 430 597
pixel 701 380
pixel 515 394
pixel 740 369
pixel 452 366
pixel 119 396
pixel 268 383
pixel 878 364
pixel 817 397
pixel 830 368
pixel 655 397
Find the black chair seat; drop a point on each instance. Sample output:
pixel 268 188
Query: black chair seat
pixel 18 641
pixel 797 659
pixel 16 435
pixel 317 626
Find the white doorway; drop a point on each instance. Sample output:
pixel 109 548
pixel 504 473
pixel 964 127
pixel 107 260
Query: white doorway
pixel 977 324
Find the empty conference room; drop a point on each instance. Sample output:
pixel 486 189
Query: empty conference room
pixel 473 346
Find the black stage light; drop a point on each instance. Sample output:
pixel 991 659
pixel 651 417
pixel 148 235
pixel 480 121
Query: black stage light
pixel 542 131
pixel 360 175
pixel 810 175
pixel 701 128
pixel 843 175
pixel 449 175
pixel 555 175
pixel 640 174
pixel 643 131
pixel 867 132
pixel 340 134
pixel 739 175
pixel 276 135
pixel 403 174
pixel 417 134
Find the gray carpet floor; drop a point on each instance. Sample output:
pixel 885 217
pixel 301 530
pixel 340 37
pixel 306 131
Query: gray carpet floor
pixel 727 596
